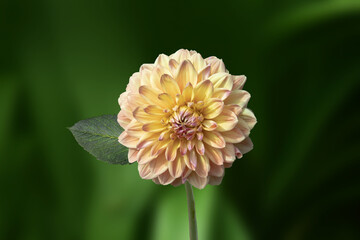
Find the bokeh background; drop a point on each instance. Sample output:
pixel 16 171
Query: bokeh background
pixel 63 61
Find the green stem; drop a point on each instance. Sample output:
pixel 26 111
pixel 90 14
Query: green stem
pixel 191 212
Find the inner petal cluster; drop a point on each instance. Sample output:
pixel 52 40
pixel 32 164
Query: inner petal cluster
pixel 185 123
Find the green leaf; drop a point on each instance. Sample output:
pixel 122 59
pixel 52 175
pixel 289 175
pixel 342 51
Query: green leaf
pixel 99 136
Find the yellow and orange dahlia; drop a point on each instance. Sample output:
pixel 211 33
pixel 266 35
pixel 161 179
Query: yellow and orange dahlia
pixel 185 118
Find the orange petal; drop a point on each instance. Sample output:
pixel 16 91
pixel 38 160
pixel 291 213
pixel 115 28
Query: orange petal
pixel 213 108
pixel 214 139
pixel 169 85
pixel 186 73
pixel 127 140
pixel 238 97
pixel 203 91
pixel 226 121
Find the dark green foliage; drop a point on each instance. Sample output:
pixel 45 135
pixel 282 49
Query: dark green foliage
pixel 99 136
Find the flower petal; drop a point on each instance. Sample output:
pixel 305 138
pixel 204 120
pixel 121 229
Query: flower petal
pixel 127 140
pixel 166 101
pixel 197 181
pixel 144 156
pixel 132 155
pixel 198 62
pixel 204 74
pixel 209 125
pixel 145 171
pixel 226 121
pixel 215 180
pixel 146 140
pixel 221 93
pixel 165 178
pixel 149 95
pixel 249 117
pixel 186 73
pixel 213 108
pixel 200 148
pixel 214 139
pixel 238 97
pixel 153 127
pixel 217 65
pixel 171 150
pixel 134 129
pixel 177 167
pixel 203 91
pixel 229 153
pixel 188 93
pixel 238 82
pixel 216 170
pixel 154 110
pixel 215 155
pixel 233 136
pixel 245 146
pixel 169 85
pixel 159 165
pixel 203 166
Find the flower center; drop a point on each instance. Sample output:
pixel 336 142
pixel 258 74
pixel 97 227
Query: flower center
pixel 185 123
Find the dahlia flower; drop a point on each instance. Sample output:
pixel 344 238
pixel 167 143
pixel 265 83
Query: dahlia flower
pixel 185 118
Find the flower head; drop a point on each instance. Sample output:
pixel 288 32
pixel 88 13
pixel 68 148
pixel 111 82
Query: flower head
pixel 185 118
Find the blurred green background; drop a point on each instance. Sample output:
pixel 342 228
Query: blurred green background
pixel 63 61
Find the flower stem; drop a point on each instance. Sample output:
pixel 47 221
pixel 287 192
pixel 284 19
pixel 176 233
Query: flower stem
pixel 191 212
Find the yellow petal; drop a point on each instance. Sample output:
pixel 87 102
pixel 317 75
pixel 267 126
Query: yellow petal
pixel 186 73
pixel 159 165
pixel 226 83
pixel 213 108
pixel 154 110
pixel 180 55
pixel 144 156
pixel 204 74
pixel 197 181
pixel 221 93
pixel 209 125
pixel 153 127
pixel 217 65
pixel 234 108
pixel 127 140
pixel 141 116
pixel 245 146
pixel 155 75
pixel 198 62
pixel 188 93
pixel 192 160
pixel 233 136
pixel 218 77
pixel 238 82
pixel 166 101
pixel 214 139
pixel 149 95
pixel 200 148
pixel 176 167
pixel 238 97
pixel 146 140
pixel 134 129
pixel 226 121
pixel 158 148
pixel 249 117
pixel 162 60
pixel 171 150
pixel 214 154
pixel 203 91
pixel 169 85
pixel 203 166
pixel 173 64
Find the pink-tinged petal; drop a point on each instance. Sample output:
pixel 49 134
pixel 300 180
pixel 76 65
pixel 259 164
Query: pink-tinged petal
pixel 228 165
pixel 134 129
pixel 176 167
pixel 132 155
pixel 203 166
pixel 183 147
pixel 226 121
pixel 188 93
pixel 209 125
pixel 214 139
pixel 217 65
pixel 145 171
pixel 156 180
pixel 140 115
pixel 216 170
pixel 154 110
pixel 177 182
pixel 191 144
pixel 166 101
pixel 243 126
pixel 197 181
pixel 245 146
pixel 153 127
pixel 158 148
pixel 171 150
pixel 186 73
pixel 173 64
pixel 156 74
pixel 249 117
pixel 234 108
pixel 213 108
pixel 165 178
pixel 229 153
pixel 204 74
pixel 225 82
pixel 238 82
pixel 198 62
pixel 147 139
pixel 203 91
pixel 218 77
pixel 159 165
pixel 238 153
pixel 221 93
pixel 169 85
pixel 149 95
pixel 122 119
pixel 234 136
pixel 215 180
pixel 127 140
pixel 180 55
pixel 144 156
pixel 200 148
pixel 215 155
pixel 238 97
pixel 193 160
